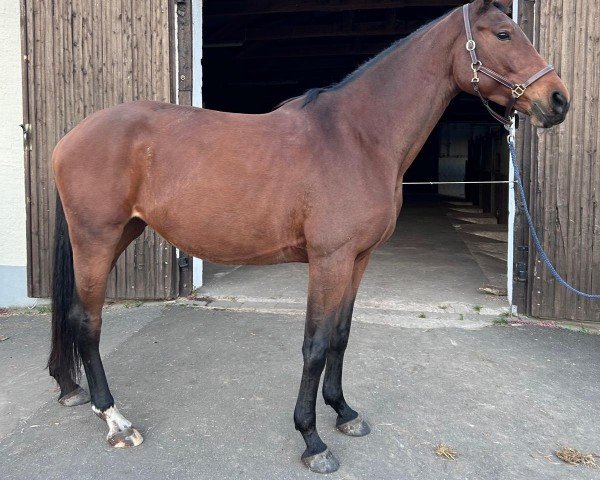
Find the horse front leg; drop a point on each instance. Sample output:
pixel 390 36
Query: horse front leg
pixel 348 420
pixel 328 279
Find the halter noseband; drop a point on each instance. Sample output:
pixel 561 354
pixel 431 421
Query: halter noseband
pixel 517 89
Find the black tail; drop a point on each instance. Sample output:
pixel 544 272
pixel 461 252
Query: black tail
pixel 64 362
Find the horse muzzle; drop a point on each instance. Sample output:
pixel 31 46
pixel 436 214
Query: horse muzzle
pixel 550 113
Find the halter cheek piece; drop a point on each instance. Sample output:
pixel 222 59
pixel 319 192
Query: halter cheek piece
pixel 517 89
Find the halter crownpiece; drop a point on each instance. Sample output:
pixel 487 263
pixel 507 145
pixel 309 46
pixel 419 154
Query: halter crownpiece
pixel 517 90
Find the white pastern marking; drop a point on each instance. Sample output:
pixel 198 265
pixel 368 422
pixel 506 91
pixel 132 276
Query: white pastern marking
pixel 116 422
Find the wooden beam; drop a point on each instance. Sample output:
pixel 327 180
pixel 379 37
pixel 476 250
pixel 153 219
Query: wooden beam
pixel 254 7
pixel 301 51
pixel 184 79
pixel 526 141
pixel 371 29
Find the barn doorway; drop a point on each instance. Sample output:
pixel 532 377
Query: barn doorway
pixel 257 54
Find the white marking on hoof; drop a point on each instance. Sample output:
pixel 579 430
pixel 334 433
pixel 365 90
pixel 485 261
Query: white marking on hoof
pixel 121 433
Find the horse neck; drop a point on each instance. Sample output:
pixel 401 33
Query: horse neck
pixel 395 104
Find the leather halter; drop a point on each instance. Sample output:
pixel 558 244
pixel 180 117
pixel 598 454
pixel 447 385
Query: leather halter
pixel 517 89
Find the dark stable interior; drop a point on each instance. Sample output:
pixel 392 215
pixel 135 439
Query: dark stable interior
pixel 258 53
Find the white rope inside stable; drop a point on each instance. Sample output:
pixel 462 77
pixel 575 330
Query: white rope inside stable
pixel 499 182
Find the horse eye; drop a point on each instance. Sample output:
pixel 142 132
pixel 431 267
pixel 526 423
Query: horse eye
pixel 503 36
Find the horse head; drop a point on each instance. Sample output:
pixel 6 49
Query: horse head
pixel 501 64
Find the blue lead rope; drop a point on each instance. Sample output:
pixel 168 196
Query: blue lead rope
pixel 534 235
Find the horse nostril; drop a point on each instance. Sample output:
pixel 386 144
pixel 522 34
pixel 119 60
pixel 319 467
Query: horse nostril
pixel 559 102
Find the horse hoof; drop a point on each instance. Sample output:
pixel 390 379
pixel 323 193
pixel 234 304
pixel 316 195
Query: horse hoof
pixel 355 428
pixel 323 462
pixel 129 437
pixel 77 397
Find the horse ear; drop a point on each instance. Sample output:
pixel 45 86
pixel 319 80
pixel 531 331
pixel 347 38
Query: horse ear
pixel 486 4
pixel 506 3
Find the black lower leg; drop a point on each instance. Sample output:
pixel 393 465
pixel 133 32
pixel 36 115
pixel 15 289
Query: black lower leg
pixel 89 342
pixel 332 387
pixel 314 351
pixel 332 384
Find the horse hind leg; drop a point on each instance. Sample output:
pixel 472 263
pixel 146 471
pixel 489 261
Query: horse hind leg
pixel 83 279
pixel 92 266
pixel 64 362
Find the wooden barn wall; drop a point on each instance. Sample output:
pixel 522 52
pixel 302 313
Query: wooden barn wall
pixel 564 174
pixel 81 56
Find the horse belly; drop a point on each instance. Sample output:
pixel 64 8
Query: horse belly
pixel 221 236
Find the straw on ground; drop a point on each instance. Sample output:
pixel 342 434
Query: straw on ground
pixel 445 451
pixel 574 457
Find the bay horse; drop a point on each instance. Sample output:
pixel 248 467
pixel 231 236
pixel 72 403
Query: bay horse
pixel 317 180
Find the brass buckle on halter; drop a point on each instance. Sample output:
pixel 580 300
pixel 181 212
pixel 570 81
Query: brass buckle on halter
pixel 518 91
pixel 475 67
pixel 471 45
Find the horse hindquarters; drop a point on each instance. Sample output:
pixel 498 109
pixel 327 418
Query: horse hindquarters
pixel 85 259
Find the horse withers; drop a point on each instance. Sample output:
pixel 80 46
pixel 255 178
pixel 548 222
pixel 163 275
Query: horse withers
pixel 323 174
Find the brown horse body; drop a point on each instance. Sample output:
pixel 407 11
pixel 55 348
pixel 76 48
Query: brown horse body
pixel 249 188
pixel 318 180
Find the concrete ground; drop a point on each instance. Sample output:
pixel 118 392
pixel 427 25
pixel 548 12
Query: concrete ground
pixel 213 392
pixel 211 383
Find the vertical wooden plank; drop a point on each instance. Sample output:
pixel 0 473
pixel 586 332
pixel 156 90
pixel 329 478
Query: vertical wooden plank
pixel 537 293
pixel 60 85
pixel 95 33
pixel 553 180
pixel 532 294
pixel 183 78
pixel 592 44
pixel 49 139
pixel 566 206
pixel 88 72
pixel 26 79
pixel 578 190
pixel 36 109
pixel 592 311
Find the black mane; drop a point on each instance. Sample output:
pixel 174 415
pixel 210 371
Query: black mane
pixel 311 95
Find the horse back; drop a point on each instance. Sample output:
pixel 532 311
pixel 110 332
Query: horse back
pixel 230 188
